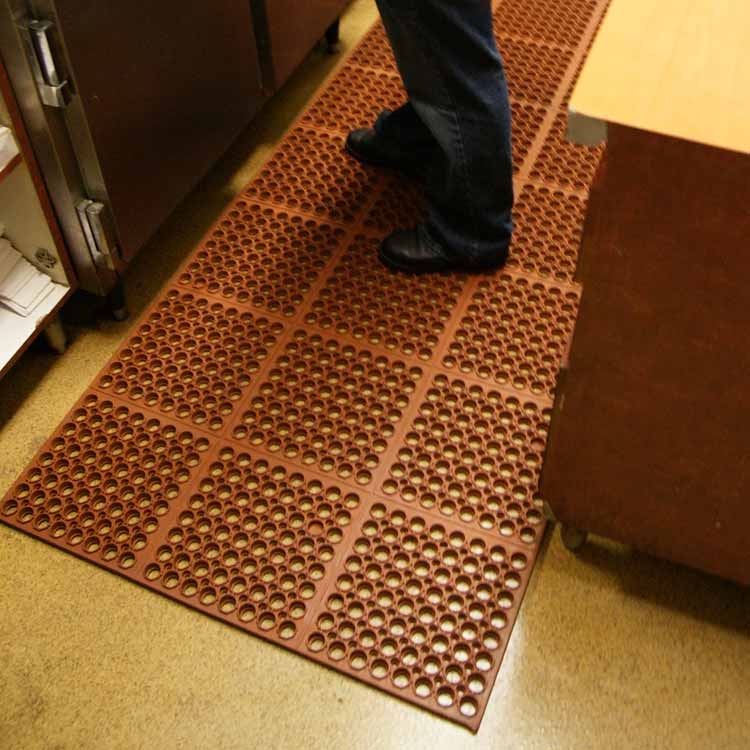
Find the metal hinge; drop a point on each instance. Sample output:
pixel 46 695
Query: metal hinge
pixel 53 88
pixel 584 130
pixel 100 233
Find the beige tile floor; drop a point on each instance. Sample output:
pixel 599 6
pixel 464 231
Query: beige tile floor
pixel 612 649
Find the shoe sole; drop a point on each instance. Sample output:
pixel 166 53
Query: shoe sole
pixel 457 267
pixel 380 165
pixel 403 268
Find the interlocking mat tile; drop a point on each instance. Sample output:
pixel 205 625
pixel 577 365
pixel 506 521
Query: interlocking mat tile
pixel 561 22
pixel 474 454
pixel 340 459
pixel 514 331
pixel 253 542
pixel 402 313
pixel 355 96
pixel 563 163
pixel 374 52
pixel 262 256
pixel 534 71
pixel 308 173
pixel 107 481
pixel 329 405
pixel 547 234
pixel 192 356
pixel 422 607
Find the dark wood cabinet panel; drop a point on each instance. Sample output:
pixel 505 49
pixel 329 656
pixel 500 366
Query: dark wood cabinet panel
pixel 292 29
pixel 649 437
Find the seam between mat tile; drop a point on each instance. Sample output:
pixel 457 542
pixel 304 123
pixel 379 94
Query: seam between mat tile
pixel 554 107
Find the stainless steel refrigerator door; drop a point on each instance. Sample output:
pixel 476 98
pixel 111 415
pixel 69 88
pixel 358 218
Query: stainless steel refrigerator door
pixel 156 93
pixel 47 128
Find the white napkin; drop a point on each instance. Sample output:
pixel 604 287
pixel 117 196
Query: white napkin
pixel 22 285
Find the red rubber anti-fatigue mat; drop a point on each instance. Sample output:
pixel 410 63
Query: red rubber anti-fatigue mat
pixel 341 459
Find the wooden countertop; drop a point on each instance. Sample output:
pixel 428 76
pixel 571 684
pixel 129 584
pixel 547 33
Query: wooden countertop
pixel 676 67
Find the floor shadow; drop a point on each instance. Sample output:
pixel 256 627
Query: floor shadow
pixel 21 380
pixel 691 592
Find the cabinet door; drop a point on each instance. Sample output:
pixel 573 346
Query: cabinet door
pixel 160 90
pixel 293 28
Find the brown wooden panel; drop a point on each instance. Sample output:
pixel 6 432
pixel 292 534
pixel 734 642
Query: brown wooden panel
pixel 293 29
pixel 649 444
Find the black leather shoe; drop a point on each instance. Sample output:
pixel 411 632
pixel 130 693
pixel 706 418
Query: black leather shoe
pixel 366 147
pixel 411 251
pixel 414 251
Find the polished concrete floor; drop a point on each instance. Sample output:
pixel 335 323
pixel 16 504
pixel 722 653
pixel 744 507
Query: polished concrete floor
pixel 612 650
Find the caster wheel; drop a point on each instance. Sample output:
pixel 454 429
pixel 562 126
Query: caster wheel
pixel 333 37
pixel 572 537
pixel 120 313
pixel 116 302
pixel 54 333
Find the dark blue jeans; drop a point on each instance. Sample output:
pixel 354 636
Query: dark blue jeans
pixel 457 119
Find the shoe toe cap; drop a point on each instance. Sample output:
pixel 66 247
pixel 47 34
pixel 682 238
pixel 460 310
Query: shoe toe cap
pixel 359 138
pixel 399 244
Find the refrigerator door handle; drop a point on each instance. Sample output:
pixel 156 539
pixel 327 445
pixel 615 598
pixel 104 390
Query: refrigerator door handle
pixel 97 229
pixel 53 87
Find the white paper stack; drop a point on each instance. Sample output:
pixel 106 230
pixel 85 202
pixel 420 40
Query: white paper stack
pixel 8 147
pixel 22 286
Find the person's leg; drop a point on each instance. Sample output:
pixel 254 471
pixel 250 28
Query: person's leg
pixel 405 127
pixel 453 73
